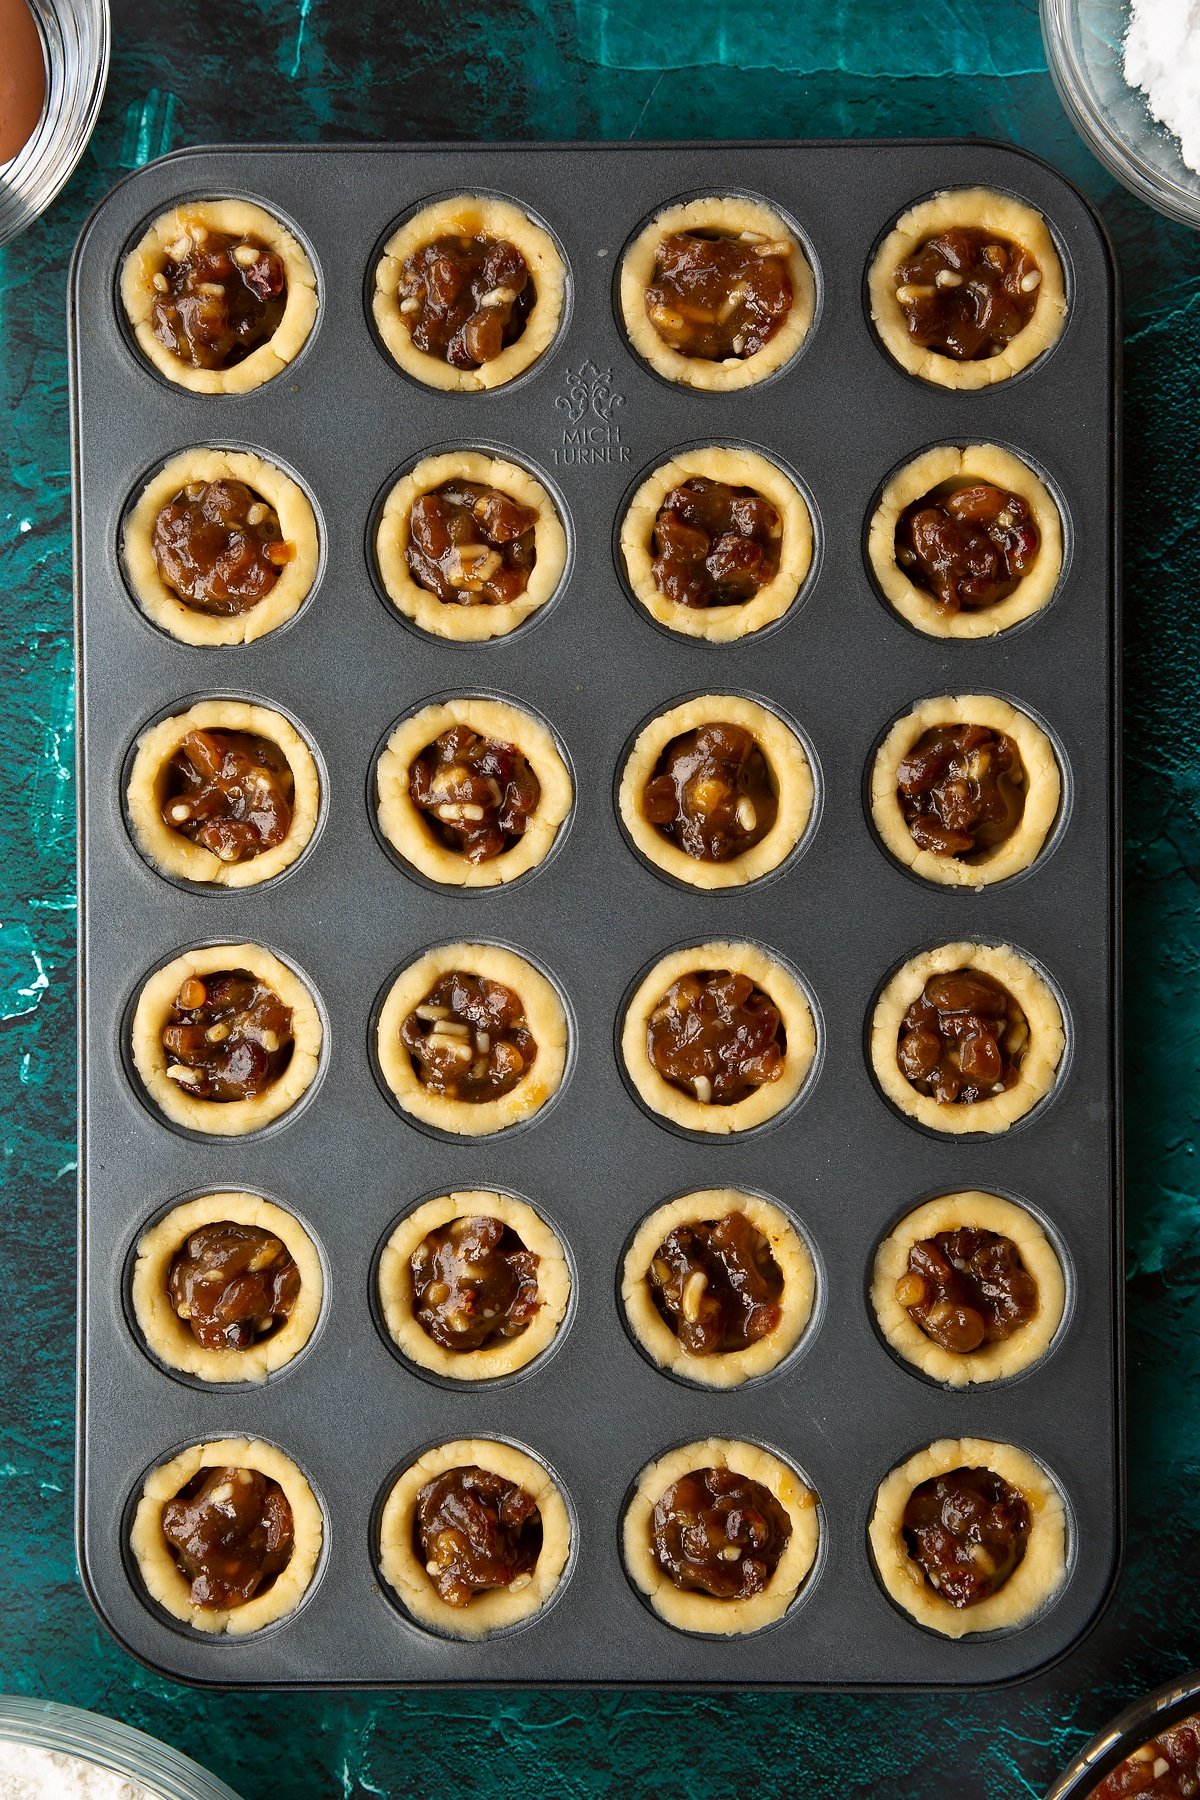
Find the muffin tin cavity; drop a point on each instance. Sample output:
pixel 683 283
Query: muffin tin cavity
pixel 226 1287
pixel 969 1287
pixel 968 1038
pixel 717 293
pixel 718 791
pixel 968 289
pixel 468 1598
pixel 473 1287
pixel 718 543
pixel 719 1038
pixel 222 793
pixel 472 1039
pixel 719 1287
pixel 471 791
pixel 965 790
pixel 1008 1501
pixel 219 294
pixel 211 1477
pixel 219 547
pixel 226 1040
pixel 470 545
pixel 967 541
pixel 741 1496
pixel 469 293
pixel 560 656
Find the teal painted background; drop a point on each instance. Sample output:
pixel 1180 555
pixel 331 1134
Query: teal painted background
pixel 187 72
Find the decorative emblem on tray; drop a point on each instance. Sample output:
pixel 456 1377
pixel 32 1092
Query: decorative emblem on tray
pixel 589 402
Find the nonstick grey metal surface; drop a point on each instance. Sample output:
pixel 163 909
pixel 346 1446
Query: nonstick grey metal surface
pixel 841 664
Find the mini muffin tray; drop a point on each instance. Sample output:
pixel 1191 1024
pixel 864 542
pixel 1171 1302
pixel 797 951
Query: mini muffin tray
pixel 590 420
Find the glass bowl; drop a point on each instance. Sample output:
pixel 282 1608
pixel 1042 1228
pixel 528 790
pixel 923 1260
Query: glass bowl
pixel 163 1773
pixel 75 38
pixel 1144 1720
pixel 1084 46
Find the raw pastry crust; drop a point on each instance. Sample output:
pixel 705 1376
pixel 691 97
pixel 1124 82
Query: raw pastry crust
pixel 736 468
pixel 947 465
pixel 1042 791
pixel 1038 1066
pixel 451 618
pixel 162 605
pixel 791 778
pixel 407 828
pixel 991 1362
pixel 988 211
pixel 543 1013
pixel 767 973
pixel 176 854
pixel 688 1611
pixel 158 1567
pixel 166 1335
pixel 728 1368
pixel 507 1355
pixel 735 215
pixel 471 215
pixel 502 1607
pixel 240 219
pixel 224 1118
pixel 1040 1572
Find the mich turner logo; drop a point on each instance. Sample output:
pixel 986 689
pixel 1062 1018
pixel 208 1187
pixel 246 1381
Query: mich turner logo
pixel 591 433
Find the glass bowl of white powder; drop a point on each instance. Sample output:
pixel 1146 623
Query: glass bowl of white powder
pixel 52 1752
pixel 1128 73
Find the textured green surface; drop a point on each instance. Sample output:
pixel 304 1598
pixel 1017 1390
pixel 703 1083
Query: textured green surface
pixel 313 69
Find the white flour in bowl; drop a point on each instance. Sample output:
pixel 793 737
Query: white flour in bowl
pixel 27 1772
pixel 1162 57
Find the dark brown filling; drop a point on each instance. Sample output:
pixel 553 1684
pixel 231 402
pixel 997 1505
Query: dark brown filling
pixel 219 299
pixel 473 1531
pixel 478 795
pixel 717 1036
pixel 717 1285
pixel 227 1037
pixel 715 545
pixel 230 1533
pixel 968 546
pixel 465 299
pixel 963 1039
pixel 469 1038
pixel 471 545
pixel 961 789
pixel 717 1532
pixel 473 1283
pixel 967 293
pixel 232 1284
pixel 230 792
pixel 712 793
pixel 714 295
pixel 218 546
pixel 968 1530
pixel 966 1288
pixel 1167 1768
